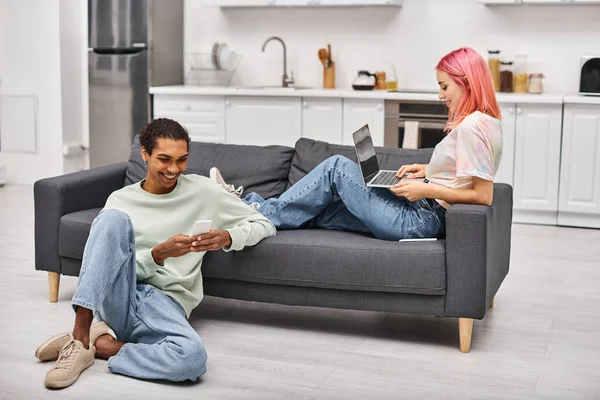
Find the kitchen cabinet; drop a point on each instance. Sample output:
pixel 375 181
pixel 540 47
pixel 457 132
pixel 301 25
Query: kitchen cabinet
pixel 579 195
pixel 203 117
pixel 505 171
pixel 492 2
pixel 322 119
pixel 263 121
pixel 561 2
pixel 358 112
pixel 301 3
pixel 534 2
pixel 537 162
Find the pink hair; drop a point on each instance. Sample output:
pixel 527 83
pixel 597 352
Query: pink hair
pixel 470 71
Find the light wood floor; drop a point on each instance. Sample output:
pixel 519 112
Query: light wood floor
pixel 541 339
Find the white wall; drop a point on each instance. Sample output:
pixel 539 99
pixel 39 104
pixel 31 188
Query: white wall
pixel 413 38
pixel 74 82
pixel 30 65
pixel 42 53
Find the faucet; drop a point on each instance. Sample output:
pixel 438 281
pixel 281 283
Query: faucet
pixel 285 80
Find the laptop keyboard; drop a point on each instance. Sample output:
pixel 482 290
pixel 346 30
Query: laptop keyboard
pixel 386 178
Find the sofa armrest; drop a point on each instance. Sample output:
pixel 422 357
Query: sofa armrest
pixel 477 253
pixel 57 196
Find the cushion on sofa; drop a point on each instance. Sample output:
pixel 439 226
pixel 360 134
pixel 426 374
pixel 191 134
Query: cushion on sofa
pixel 309 153
pixel 263 170
pixel 73 232
pixel 335 260
pixel 310 257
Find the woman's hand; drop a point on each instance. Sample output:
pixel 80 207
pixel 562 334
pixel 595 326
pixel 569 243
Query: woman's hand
pixel 412 190
pixel 415 171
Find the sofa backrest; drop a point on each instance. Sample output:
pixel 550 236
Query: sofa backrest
pixel 259 169
pixel 309 153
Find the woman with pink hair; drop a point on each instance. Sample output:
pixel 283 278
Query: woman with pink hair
pixel 461 170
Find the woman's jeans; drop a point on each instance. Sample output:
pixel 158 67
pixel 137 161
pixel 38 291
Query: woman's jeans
pixel 161 344
pixel 334 196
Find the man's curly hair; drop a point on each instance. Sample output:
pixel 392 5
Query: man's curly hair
pixel 162 128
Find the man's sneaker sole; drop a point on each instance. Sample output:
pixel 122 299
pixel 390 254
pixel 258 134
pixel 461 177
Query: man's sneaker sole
pixel 68 382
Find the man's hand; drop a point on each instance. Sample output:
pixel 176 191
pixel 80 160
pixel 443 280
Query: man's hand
pixel 412 190
pixel 180 245
pixel 211 241
pixel 413 171
pixel 176 246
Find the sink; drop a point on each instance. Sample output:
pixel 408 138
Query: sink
pixel 291 88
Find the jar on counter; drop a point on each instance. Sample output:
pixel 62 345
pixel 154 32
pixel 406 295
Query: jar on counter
pixel 535 83
pixel 521 75
pixel 506 76
pixel 494 65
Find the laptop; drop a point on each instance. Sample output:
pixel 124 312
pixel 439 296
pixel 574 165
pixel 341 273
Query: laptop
pixel 367 159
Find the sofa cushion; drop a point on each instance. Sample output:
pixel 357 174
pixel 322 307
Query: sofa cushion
pixel 308 257
pixel 263 170
pixel 335 260
pixel 73 232
pixel 309 153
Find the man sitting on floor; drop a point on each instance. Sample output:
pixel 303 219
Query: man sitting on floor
pixel 140 273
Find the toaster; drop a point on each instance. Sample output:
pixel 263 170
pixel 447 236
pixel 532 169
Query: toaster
pixel 589 80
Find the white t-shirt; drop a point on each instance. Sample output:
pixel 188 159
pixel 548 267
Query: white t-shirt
pixel 473 148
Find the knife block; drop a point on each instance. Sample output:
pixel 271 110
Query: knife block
pixel 329 77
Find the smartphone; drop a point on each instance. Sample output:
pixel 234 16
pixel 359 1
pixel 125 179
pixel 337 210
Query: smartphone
pixel 201 226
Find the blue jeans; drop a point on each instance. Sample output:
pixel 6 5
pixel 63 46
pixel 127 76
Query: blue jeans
pixel 333 196
pixel 160 343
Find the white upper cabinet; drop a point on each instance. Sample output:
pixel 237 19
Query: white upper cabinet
pixel 322 119
pixel 301 3
pixel 533 2
pixel 505 172
pixel 579 196
pixel 500 1
pixel 537 162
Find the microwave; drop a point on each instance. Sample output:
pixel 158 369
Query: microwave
pixel 589 81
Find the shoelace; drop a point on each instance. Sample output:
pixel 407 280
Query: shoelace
pixel 67 356
pixel 237 191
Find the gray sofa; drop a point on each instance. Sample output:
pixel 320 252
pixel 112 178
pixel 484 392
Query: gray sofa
pixel 456 277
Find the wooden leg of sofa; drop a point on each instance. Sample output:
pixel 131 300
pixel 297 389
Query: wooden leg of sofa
pixel 53 284
pixel 465 329
pixel 492 304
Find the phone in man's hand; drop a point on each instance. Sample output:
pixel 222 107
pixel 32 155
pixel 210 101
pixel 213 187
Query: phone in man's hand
pixel 201 226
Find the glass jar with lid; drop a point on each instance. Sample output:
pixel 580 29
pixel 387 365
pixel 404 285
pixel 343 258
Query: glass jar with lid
pixel 535 83
pixel 494 65
pixel 521 75
pixel 506 76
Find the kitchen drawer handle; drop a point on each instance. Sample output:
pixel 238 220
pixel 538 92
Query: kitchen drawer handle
pixel 305 104
pixel 519 110
pixel 511 111
pixel 379 107
pixel 227 103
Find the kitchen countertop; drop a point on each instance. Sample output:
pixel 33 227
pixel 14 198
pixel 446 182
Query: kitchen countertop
pixel 576 99
pixel 370 94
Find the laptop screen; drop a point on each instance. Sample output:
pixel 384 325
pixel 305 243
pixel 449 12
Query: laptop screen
pixel 365 152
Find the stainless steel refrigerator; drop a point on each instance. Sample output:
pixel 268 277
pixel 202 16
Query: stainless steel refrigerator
pixel 133 45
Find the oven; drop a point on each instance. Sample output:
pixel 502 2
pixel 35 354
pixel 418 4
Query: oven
pixel 414 124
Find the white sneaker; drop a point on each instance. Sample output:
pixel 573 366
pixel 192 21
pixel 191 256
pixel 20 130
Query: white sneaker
pixel 216 176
